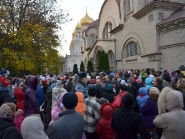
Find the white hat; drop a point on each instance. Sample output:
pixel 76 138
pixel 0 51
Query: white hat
pixel 154 90
pixel 97 77
pixel 123 82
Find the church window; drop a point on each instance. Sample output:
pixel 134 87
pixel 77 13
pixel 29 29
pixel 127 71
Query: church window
pixel 131 49
pixel 106 30
pixel 92 40
pixel 130 6
pixel 78 33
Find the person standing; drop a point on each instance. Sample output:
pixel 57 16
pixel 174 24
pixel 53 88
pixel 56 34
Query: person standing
pixel 127 123
pixel 92 114
pixel 31 106
pixel 70 124
pixel 81 84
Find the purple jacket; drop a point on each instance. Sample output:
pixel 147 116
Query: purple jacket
pixel 149 112
pixel 30 99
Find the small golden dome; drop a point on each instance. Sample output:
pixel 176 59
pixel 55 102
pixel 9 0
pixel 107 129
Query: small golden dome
pixel 78 26
pixel 86 20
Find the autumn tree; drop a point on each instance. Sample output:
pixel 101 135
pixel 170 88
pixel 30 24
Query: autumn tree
pixel 28 38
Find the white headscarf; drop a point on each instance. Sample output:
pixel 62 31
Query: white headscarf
pixel 33 128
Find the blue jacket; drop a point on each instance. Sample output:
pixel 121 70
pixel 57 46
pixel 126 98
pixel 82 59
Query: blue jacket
pixel 80 88
pixel 39 96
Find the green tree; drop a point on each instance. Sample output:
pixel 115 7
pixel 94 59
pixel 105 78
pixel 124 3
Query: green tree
pixel 75 69
pixel 90 67
pixel 82 68
pixel 103 64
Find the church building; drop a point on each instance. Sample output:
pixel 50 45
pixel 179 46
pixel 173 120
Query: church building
pixel 137 34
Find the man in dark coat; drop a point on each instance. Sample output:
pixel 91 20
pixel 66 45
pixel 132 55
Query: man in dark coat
pixel 158 83
pixel 127 123
pixel 109 94
pixel 70 125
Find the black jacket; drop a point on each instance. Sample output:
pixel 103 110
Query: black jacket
pixel 160 87
pixel 8 130
pixel 128 124
pixel 109 96
pixel 5 97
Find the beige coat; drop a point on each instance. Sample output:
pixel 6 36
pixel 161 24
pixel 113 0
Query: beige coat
pixel 171 117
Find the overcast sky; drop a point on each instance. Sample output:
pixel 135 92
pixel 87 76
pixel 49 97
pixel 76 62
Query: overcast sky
pixel 77 9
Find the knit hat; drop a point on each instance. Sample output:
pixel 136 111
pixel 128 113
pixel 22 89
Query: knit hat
pixel 112 74
pixel 154 90
pixel 166 77
pixel 70 100
pixel 109 87
pixel 3 72
pixel 6 112
pixel 123 82
pixel 102 101
pixel 143 91
pixel 59 84
pixel 139 81
pixel 82 74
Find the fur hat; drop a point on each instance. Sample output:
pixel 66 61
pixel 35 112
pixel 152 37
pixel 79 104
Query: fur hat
pixel 70 100
pixel 6 112
pixel 82 74
pixel 154 90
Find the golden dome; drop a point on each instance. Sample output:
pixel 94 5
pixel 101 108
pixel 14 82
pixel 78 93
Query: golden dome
pixel 86 20
pixel 78 26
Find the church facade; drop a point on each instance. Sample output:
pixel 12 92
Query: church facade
pixel 137 34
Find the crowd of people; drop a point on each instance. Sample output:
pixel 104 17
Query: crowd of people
pixel 128 104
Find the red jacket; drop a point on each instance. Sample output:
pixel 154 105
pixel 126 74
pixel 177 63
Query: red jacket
pixel 103 127
pixel 117 101
pixel 3 81
pixel 20 97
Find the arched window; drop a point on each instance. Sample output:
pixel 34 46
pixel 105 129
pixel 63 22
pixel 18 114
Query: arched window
pixel 131 49
pixel 92 40
pixel 111 57
pixel 106 30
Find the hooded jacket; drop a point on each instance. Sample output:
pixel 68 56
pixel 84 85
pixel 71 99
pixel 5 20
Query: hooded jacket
pixel 31 106
pixel 148 82
pixel 8 130
pixel 20 97
pixel 103 127
pixel 171 117
pixel 57 109
pixel 80 106
pixel 33 128
pixel 143 97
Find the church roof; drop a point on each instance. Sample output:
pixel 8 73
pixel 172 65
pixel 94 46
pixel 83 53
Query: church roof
pixel 86 20
pixel 173 17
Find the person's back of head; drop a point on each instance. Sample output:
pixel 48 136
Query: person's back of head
pixel 159 81
pixel 128 100
pixel 92 92
pixel 70 100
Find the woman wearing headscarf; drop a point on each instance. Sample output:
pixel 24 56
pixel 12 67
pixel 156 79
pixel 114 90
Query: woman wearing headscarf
pixel 33 128
pixel 171 116
pixel 7 128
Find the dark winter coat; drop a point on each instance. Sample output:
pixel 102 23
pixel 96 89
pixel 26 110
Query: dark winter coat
pixel 39 96
pixel 8 130
pixel 31 106
pixel 103 127
pixel 48 100
pixel 109 95
pixel 4 96
pixel 160 87
pixel 128 124
pixel 20 98
pixel 70 125
pixel 149 112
